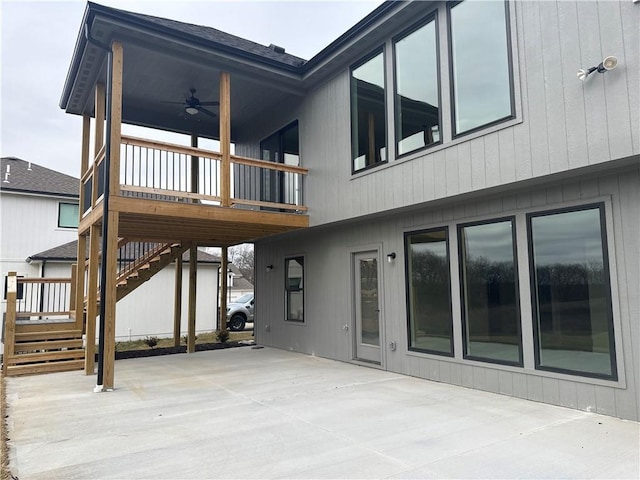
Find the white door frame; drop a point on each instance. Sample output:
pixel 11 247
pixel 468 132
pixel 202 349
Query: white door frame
pixel 372 251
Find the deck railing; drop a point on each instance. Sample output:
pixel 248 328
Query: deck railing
pixel 43 298
pixel 169 172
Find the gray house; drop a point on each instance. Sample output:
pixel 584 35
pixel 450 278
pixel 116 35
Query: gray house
pixel 474 205
pixel 449 190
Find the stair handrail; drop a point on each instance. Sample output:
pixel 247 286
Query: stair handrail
pixel 141 260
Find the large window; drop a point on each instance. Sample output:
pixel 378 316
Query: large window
pixel 294 288
pixel 480 64
pixel 417 96
pixel 490 306
pixel 571 296
pixel 68 215
pixel 368 117
pixel 281 147
pixel 429 292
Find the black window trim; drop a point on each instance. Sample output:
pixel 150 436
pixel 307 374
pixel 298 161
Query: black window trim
pixel 465 355
pixel 407 258
pixel 454 134
pixel 534 304
pixel 359 63
pixel 431 17
pixel 60 211
pixel 287 290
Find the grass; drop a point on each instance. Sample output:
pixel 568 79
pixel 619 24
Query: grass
pixel 207 337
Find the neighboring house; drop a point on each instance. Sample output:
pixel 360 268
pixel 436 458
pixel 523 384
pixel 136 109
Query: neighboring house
pixel 148 310
pixel 38 210
pixel 238 284
pixel 471 213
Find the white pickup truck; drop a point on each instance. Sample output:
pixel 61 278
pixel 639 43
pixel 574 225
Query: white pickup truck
pixel 240 312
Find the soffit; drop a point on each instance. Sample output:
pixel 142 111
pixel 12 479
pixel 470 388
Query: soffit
pixel 159 69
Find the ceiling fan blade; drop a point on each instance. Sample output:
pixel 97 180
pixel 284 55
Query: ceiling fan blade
pixel 207 112
pixel 213 104
pixel 173 103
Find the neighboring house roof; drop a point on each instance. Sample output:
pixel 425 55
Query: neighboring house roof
pixel 29 177
pixel 241 283
pixel 68 252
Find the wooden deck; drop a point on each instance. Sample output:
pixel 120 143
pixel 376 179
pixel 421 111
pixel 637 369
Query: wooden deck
pixel 207 225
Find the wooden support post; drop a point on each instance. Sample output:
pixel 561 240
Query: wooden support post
pixel 10 321
pixel 372 140
pixel 225 139
pixel 177 303
pixel 223 288
pixel 116 121
pixel 195 167
pixel 82 240
pixel 92 300
pixel 112 219
pixel 98 139
pixel 79 283
pixel 99 125
pixel 110 304
pixel 72 288
pixel 86 138
pixel 193 282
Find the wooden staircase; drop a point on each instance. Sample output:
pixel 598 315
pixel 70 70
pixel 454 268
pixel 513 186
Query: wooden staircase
pixel 144 268
pixel 36 345
pixel 44 350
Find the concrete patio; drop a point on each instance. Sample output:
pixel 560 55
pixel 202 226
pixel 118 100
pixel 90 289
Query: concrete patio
pixel 265 413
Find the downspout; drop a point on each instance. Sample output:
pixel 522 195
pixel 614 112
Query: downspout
pixel 105 207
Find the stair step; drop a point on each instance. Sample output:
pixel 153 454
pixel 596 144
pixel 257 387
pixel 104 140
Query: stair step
pixel 47 345
pixel 49 367
pixel 50 335
pixel 73 354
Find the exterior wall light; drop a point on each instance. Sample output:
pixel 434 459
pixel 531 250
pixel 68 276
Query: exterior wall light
pixel 269 268
pixel 391 257
pixel 609 63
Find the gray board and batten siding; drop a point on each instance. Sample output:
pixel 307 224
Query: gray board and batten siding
pixel 561 123
pixel 328 306
pixel 570 143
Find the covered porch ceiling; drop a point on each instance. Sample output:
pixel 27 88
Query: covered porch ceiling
pixel 164 60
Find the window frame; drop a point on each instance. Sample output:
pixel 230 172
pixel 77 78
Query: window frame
pixel 279 182
pixel 370 56
pixel 461 279
pixel 431 17
pixel 287 289
pixel 60 204
pixel 613 352
pixel 510 63
pixel 407 259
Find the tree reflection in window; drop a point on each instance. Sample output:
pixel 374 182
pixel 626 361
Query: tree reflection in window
pixel 428 288
pixel 571 292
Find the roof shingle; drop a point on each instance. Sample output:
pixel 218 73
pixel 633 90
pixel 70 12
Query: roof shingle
pixel 29 177
pixel 219 37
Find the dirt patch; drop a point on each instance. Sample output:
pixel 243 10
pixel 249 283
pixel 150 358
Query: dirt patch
pixel 4 445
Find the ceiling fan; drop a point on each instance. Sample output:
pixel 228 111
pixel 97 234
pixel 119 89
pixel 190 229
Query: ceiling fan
pixel 192 105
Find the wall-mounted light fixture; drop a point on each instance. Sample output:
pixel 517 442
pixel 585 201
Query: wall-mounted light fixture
pixel 391 257
pixel 609 63
pixel 269 268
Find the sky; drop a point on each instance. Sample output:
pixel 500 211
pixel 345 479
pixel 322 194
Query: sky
pixel 37 41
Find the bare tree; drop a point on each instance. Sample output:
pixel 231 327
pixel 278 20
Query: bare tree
pixel 242 257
